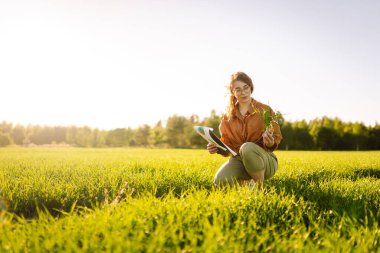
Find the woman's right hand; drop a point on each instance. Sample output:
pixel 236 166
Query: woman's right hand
pixel 212 148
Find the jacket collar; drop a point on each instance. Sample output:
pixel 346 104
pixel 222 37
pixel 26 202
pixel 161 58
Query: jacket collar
pixel 251 109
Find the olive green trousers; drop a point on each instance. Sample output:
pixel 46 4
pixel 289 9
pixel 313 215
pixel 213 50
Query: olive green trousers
pixel 252 158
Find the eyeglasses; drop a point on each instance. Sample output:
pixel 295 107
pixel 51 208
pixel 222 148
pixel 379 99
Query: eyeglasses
pixel 239 91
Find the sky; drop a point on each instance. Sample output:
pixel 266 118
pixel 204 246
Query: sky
pixel 120 63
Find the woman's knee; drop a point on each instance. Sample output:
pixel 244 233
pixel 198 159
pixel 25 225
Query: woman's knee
pixel 252 157
pixel 249 147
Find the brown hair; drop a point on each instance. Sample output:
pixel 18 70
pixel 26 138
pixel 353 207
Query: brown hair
pixel 238 76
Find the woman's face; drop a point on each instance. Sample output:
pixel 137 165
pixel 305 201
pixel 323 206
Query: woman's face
pixel 241 91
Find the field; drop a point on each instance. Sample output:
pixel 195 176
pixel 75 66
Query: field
pixel 163 200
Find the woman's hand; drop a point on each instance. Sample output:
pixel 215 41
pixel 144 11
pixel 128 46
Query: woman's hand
pixel 212 148
pixel 268 139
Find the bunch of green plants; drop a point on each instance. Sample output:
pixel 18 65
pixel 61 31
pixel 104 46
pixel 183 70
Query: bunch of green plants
pixel 269 118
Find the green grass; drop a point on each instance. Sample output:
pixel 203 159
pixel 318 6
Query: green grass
pixel 61 200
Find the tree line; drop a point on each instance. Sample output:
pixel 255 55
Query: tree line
pixel 318 134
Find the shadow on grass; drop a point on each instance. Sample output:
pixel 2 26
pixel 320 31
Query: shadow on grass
pixel 305 185
pixel 89 197
pixel 319 187
pixel 366 172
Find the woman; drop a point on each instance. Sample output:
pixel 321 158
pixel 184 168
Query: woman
pixel 243 129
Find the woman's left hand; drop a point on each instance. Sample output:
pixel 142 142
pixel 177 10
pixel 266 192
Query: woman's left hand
pixel 268 139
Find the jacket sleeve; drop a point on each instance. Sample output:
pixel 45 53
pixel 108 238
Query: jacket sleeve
pixel 223 137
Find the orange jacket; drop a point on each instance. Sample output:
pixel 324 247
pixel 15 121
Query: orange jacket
pixel 248 128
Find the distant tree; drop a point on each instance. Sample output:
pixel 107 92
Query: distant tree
pixel 98 138
pixel 194 140
pixel 71 135
pixel 287 132
pixel 176 132
pixel 28 133
pixel 142 135
pixel 323 133
pixel 6 128
pixel 119 137
pixel 213 121
pixel 5 139
pixel 374 137
pixel 326 138
pixel 346 141
pixel 360 133
pixel 84 137
pixel 157 135
pixel 339 126
pixel 41 135
pixel 314 127
pixel 19 134
pixel 302 138
pixel 59 134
